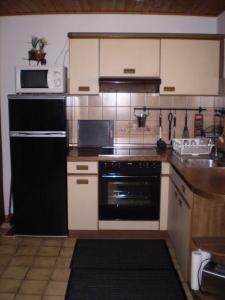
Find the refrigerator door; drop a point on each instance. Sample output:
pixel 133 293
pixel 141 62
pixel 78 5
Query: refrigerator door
pixel 37 113
pixel 39 185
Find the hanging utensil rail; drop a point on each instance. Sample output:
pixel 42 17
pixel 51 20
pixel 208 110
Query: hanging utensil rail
pixel 144 108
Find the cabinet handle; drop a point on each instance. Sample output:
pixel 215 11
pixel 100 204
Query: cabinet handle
pixel 83 88
pixel 82 181
pixel 183 188
pixel 169 88
pixel 82 167
pixel 129 71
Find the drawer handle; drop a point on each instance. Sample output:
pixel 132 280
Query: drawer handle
pixel 83 88
pixel 169 88
pixel 82 167
pixel 129 71
pixel 82 181
pixel 183 189
pixel 175 194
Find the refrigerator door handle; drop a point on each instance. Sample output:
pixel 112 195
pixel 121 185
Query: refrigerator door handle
pixel 37 134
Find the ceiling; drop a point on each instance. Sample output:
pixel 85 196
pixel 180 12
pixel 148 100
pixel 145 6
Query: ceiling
pixel 170 7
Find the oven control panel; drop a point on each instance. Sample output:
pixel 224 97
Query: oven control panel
pixel 130 167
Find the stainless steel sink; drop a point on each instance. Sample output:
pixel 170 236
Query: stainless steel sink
pixel 203 163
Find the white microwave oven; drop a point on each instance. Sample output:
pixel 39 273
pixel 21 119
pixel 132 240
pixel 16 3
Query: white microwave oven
pixel 41 79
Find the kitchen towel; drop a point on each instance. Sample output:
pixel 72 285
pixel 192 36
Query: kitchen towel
pixel 199 259
pixel 196 259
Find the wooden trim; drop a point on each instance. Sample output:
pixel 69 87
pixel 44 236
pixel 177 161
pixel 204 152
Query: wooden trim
pixel 127 234
pixel 102 35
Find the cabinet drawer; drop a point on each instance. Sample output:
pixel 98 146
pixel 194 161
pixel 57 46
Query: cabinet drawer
pixel 182 186
pixel 82 167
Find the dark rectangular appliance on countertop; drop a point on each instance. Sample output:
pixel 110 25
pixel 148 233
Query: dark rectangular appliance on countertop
pixel 95 133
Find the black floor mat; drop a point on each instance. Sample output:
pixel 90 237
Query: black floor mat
pixel 124 285
pixel 121 254
pixel 123 270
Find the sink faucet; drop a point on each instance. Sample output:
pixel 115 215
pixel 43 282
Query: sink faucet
pixel 214 142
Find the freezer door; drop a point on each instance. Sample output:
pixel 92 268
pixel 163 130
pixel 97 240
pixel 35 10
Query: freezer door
pixel 39 185
pixel 34 114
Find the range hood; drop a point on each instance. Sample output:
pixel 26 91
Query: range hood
pixel 129 84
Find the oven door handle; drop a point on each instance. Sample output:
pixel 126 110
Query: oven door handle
pixel 125 176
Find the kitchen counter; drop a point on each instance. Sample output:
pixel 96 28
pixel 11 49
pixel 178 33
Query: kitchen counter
pixel 90 154
pixel 207 182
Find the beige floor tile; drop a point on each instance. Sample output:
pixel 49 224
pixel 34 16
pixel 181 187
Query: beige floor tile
pixel 7 296
pixel 48 251
pixel 70 242
pixel 39 274
pixel 53 242
pixel 44 262
pixel 31 242
pixel 66 252
pixel 4 259
pixel 33 287
pixel 2 268
pixel 53 298
pixel 28 297
pixel 7 249
pixel 26 250
pixel 63 262
pixel 22 260
pixel 56 288
pixel 15 272
pixel 9 285
pixel 14 241
pixel 61 275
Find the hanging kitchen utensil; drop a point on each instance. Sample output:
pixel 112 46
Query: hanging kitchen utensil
pixel 185 134
pixel 160 143
pixel 174 124
pixel 141 117
pixel 198 123
pixel 170 119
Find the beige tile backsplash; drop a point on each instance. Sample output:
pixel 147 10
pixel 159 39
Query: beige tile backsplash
pixel 120 108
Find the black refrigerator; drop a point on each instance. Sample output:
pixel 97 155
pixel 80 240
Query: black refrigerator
pixel 38 146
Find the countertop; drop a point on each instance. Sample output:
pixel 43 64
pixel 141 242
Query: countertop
pixel 205 182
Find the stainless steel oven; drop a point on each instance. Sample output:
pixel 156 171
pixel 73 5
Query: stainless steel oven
pixel 129 190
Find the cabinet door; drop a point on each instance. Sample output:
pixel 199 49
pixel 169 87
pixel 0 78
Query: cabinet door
pixel 190 67
pixel 84 66
pixel 179 228
pixel 83 202
pixel 129 57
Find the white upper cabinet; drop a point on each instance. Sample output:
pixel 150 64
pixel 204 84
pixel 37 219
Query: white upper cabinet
pixel 189 67
pixel 129 57
pixel 84 66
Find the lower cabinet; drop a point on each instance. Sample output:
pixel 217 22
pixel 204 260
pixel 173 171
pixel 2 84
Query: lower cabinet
pixel 82 196
pixel 179 221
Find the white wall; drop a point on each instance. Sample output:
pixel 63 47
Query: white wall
pixel 16 32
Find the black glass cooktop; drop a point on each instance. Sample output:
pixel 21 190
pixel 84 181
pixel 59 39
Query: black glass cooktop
pixel 114 151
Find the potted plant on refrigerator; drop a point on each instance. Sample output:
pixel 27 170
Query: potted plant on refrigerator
pixel 37 52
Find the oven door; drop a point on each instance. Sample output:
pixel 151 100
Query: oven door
pixel 129 197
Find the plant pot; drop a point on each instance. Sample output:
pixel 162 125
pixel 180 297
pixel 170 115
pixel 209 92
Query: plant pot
pixel 36 55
